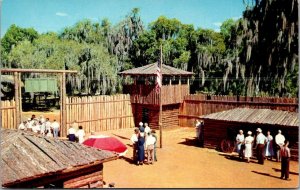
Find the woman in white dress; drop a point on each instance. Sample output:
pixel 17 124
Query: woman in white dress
pixel 269 152
pixel 239 141
pixel 248 146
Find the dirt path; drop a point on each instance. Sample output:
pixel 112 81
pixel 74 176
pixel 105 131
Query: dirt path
pixel 182 164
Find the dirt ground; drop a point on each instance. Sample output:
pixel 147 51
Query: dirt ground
pixel 182 164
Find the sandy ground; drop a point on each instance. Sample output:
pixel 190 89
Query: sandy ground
pixel 182 164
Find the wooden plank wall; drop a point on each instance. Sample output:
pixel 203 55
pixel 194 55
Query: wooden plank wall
pixel 196 105
pixel 169 114
pixel 100 113
pixel 8 114
pixel 146 94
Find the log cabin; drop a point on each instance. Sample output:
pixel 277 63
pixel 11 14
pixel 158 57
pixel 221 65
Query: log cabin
pixel 225 125
pixel 144 96
pixel 32 161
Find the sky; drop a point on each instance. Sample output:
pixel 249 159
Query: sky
pixel 55 15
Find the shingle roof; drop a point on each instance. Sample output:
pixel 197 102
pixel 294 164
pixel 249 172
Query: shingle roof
pixel 258 116
pixel 150 69
pixel 26 156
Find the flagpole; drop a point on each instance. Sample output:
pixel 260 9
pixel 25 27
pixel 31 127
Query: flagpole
pixel 160 102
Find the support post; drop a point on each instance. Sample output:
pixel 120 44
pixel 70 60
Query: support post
pixel 17 100
pixel 160 101
pixel 20 93
pixel 64 116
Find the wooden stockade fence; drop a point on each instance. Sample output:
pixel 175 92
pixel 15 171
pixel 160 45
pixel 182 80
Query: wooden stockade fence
pixel 100 113
pixel 195 105
pixel 8 114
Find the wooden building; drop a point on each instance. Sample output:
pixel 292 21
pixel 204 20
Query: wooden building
pixel 30 161
pixel 145 100
pixel 225 125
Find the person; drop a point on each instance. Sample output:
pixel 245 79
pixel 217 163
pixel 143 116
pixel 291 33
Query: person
pixel 48 125
pixel 22 126
pixel 285 160
pixel 198 125
pixel 49 133
pixel 29 125
pixel 36 127
pixel 142 129
pixel 260 146
pixel 150 148
pixel 42 127
pixel 71 134
pixel 147 128
pixel 248 146
pixel 42 119
pixel 269 152
pixel 80 134
pixel 153 132
pixel 239 142
pixel 279 140
pixel 134 140
pixel 140 149
pixel 55 127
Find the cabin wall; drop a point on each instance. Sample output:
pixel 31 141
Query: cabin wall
pixel 150 114
pixel 214 131
pixel 91 177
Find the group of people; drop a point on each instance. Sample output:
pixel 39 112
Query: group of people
pixel 144 139
pixel 75 133
pixel 265 148
pixel 41 126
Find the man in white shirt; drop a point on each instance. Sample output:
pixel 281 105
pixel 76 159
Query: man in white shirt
pixel 48 126
pixel 134 140
pixel 71 134
pixel 80 134
pixel 260 146
pixel 150 148
pixel 22 126
pixel 55 127
pixel 279 140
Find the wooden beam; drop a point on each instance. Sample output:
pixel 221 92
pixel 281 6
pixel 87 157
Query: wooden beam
pixel 17 100
pixel 36 70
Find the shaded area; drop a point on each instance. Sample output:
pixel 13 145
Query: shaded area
pixel 191 142
pixel 266 174
pixel 279 170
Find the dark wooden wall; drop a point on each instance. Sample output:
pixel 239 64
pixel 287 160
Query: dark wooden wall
pixel 197 105
pixel 214 131
pixel 169 114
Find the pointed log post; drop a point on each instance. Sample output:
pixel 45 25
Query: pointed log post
pixel 63 129
pixel 17 100
pixel 160 101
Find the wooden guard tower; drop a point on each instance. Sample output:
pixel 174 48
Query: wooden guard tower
pixel 145 100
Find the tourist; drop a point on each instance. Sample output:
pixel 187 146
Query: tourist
pixel 36 127
pixel 150 141
pixel 48 125
pixel 29 125
pixel 80 134
pixel 142 129
pixel 22 126
pixel 42 127
pixel 239 142
pixel 55 127
pixel 248 146
pixel 279 140
pixel 49 133
pixel 147 129
pixel 42 119
pixel 134 140
pixel 141 150
pixel 71 134
pixel 153 132
pixel 269 152
pixel 260 146
pixel 285 160
pixel 198 126
pixel 75 125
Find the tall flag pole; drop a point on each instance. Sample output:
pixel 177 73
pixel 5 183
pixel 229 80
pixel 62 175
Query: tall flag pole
pixel 160 95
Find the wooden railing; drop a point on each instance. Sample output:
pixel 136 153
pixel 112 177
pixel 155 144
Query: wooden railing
pixel 146 94
pixel 196 105
pixel 8 114
pixel 100 113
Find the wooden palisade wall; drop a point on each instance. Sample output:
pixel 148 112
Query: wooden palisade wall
pixel 100 113
pixel 196 105
pixel 8 114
